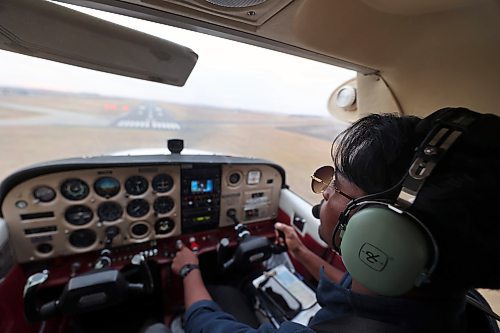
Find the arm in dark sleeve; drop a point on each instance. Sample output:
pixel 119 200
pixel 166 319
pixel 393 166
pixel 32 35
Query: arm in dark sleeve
pixel 206 317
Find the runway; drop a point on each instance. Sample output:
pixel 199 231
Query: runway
pixel 148 116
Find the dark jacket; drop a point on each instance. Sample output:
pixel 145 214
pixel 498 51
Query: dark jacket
pixel 338 301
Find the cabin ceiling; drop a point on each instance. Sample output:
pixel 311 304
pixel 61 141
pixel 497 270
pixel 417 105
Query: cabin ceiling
pixel 429 53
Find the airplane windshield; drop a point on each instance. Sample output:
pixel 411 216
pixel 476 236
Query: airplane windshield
pixel 240 100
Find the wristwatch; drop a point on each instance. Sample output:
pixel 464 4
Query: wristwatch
pixel 186 269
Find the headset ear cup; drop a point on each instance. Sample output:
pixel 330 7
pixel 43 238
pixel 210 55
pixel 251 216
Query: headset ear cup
pixel 387 252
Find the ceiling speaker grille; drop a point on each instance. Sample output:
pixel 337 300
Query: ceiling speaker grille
pixel 236 3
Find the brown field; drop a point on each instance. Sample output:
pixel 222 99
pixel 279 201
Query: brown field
pixel 72 103
pixel 231 132
pixel 8 114
pixel 222 131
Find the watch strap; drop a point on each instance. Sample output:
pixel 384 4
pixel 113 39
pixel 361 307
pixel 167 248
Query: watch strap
pixel 186 269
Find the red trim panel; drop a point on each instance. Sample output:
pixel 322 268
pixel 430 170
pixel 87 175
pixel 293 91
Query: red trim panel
pixel 11 304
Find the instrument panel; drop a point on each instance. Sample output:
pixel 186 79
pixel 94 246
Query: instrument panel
pixel 66 208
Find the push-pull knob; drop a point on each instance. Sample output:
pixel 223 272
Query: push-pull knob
pixel 193 245
pixel 222 251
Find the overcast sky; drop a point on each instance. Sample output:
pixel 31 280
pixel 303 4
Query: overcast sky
pixel 267 80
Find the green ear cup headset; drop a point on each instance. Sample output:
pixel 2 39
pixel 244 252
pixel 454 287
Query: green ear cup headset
pixel 385 247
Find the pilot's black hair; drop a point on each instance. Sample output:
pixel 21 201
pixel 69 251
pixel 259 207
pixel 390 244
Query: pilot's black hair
pixel 458 203
pixel 375 151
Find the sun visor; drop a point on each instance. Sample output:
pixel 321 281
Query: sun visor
pixel 50 31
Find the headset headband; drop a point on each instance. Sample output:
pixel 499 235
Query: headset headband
pixel 439 140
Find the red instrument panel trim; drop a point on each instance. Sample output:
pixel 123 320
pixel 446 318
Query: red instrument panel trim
pixel 11 306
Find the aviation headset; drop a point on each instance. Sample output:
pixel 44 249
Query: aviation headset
pixel 385 247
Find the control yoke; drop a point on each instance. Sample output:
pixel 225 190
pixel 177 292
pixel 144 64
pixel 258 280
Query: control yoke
pixel 100 288
pixel 251 249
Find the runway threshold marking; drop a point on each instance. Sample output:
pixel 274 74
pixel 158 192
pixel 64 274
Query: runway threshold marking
pixel 149 124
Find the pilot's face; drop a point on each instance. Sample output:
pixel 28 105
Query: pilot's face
pixel 335 202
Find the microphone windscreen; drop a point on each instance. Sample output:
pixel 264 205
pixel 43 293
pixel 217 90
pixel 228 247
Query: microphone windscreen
pixel 316 209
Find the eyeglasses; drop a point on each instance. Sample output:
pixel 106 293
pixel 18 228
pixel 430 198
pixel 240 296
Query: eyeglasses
pixel 324 177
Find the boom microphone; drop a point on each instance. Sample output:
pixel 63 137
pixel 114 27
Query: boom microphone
pixel 316 209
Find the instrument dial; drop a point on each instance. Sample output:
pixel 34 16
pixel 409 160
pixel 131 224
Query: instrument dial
pixel 107 187
pixel 139 230
pixel 74 189
pixel 164 226
pixel 44 193
pixel 137 208
pixel 136 185
pixel 109 211
pixel 163 205
pixel 162 183
pixel 78 215
pixel 82 238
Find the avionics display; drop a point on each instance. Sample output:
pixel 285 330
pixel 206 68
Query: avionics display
pixel 200 197
pixel 202 186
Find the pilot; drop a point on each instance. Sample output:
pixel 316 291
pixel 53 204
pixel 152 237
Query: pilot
pixel 429 189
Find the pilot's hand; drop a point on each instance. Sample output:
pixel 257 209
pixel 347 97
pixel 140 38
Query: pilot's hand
pixel 183 257
pixel 292 240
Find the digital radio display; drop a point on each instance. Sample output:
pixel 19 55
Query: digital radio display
pixel 201 219
pixel 202 186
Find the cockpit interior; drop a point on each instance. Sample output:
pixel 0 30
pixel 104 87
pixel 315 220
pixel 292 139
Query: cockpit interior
pixel 87 242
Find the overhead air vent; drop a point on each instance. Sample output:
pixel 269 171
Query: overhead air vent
pixel 236 3
pixel 254 12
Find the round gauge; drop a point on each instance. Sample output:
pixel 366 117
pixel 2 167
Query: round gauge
pixel 136 185
pixel 107 187
pixel 74 189
pixel 44 248
pixel 109 211
pixel 234 178
pixel 164 226
pixel 162 183
pixel 44 193
pixel 163 205
pixel 82 238
pixel 139 230
pixel 78 215
pixel 137 208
